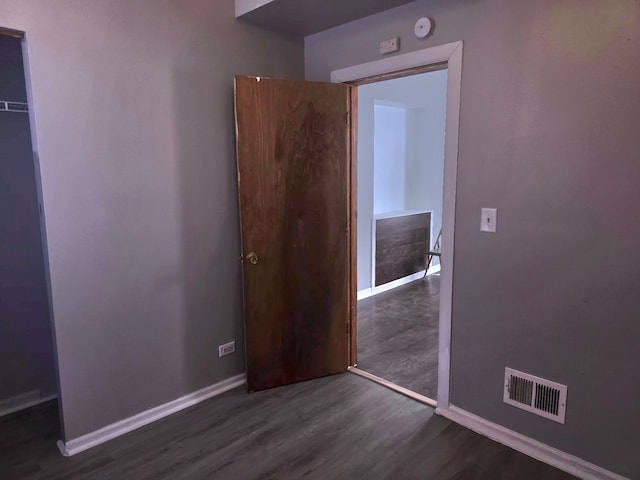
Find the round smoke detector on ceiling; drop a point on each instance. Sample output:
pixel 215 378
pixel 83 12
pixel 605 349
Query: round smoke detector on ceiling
pixel 423 27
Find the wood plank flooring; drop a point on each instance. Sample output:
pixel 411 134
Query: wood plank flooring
pixel 398 335
pixel 338 427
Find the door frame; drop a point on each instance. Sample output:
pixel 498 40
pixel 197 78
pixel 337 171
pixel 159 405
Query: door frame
pixel 443 56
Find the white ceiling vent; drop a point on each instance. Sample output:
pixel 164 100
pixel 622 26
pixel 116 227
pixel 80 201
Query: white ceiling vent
pixel 534 394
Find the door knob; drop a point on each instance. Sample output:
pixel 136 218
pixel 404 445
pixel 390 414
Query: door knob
pixel 253 258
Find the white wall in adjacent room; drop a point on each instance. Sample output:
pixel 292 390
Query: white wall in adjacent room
pixel 389 158
pixel 425 162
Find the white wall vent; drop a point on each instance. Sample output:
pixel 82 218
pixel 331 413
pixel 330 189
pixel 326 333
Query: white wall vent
pixel 536 395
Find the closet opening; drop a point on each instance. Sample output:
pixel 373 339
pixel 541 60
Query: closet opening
pixel 28 377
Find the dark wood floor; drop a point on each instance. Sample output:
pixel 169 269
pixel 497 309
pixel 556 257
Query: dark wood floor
pixel 398 335
pixel 339 427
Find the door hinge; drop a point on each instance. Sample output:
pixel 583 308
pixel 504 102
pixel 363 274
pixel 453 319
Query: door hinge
pixel 348 118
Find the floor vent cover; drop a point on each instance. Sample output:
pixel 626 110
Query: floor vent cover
pixel 534 394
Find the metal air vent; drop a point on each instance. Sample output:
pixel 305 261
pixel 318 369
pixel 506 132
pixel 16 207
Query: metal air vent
pixel 536 395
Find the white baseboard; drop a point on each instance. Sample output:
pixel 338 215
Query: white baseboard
pixel 533 448
pixel 370 292
pixel 127 425
pixel 21 402
pixel 433 269
pixel 366 293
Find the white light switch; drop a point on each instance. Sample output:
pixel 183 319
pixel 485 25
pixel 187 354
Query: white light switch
pixel 488 220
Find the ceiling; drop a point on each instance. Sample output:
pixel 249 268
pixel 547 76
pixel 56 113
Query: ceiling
pixel 306 17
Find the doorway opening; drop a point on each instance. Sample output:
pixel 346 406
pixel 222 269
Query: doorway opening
pixel 28 381
pixel 429 369
pixel 298 196
pixel 400 168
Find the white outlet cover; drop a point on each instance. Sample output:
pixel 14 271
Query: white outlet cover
pixel 423 27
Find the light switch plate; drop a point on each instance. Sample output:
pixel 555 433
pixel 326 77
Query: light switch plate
pixel 488 220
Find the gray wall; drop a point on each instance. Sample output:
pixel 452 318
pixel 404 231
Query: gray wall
pixel 26 346
pixel 135 129
pixel 549 135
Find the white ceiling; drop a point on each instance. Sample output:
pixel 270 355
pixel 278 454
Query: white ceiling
pixel 415 91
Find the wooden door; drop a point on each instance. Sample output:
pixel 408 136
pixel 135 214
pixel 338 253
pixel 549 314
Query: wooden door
pixel 293 155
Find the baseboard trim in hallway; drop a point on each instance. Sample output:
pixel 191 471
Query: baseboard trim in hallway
pixel 370 292
pixel 523 444
pixel 85 442
pixel 392 386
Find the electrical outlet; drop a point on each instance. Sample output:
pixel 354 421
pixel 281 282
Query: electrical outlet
pixel 390 46
pixel 226 349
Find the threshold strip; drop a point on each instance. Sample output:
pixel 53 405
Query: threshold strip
pixel 396 388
